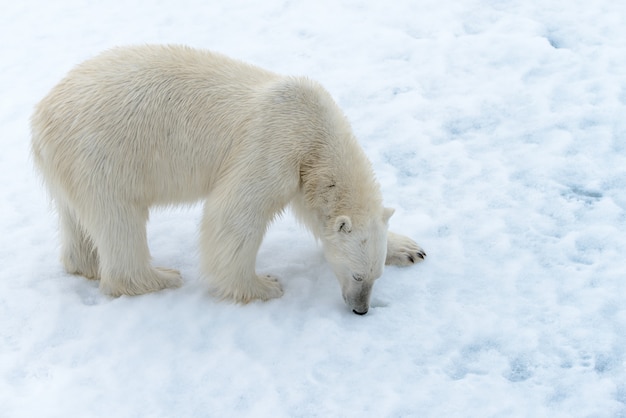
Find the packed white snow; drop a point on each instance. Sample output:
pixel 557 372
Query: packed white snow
pixel 498 132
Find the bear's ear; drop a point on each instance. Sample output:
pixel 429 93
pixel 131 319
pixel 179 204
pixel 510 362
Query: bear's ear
pixel 387 212
pixel 343 224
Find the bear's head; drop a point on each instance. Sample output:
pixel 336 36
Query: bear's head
pixel 356 249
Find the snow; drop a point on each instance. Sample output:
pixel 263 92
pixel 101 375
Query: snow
pixel 498 132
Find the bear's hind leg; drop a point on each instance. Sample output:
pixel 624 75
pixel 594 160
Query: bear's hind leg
pixel 120 236
pixel 78 254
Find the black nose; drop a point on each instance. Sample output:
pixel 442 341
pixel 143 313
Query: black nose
pixel 358 313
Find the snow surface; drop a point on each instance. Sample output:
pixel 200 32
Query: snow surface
pixel 498 132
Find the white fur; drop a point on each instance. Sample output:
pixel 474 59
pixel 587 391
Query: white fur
pixel 158 125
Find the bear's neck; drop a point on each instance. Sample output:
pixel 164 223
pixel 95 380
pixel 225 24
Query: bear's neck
pixel 336 179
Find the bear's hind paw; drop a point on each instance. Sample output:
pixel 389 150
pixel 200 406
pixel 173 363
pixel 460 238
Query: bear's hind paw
pixel 152 280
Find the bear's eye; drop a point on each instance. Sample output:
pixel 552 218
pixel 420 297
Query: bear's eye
pixel 357 277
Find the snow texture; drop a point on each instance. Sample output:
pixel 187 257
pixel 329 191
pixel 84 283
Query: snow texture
pixel 497 130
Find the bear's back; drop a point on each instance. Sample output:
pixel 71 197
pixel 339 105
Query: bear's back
pixel 162 118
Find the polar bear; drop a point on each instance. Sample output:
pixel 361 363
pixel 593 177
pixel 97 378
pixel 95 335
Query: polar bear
pixel 137 127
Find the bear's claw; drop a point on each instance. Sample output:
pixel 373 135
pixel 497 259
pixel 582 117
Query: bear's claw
pixel 403 251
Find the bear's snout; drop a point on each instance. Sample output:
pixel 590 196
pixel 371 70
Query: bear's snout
pixel 359 301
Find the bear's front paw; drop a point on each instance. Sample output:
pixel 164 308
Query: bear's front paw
pixel 169 278
pixel 261 287
pixel 403 251
pixel 268 288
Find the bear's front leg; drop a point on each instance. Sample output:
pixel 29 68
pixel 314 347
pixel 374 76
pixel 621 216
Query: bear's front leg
pixel 403 251
pixel 230 238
